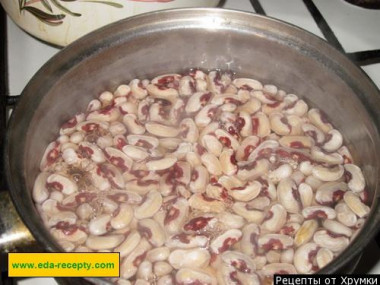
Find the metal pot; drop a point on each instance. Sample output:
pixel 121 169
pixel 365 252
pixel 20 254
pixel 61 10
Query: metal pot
pixel 175 40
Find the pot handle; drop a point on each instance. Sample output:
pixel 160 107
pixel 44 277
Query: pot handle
pixel 14 235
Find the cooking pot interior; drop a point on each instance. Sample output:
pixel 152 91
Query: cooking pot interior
pixel 174 41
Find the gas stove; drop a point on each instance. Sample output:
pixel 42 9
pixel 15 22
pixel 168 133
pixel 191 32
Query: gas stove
pixel 351 29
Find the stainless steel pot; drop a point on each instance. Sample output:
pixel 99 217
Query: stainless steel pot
pixel 173 41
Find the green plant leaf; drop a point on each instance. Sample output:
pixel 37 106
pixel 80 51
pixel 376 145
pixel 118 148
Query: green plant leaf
pixel 110 3
pixel 47 5
pixel 64 9
pixel 52 19
pixel 21 4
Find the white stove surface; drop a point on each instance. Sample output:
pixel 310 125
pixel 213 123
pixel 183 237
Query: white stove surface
pixel 355 28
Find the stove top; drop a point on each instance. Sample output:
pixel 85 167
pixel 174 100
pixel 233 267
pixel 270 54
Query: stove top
pixel 350 29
